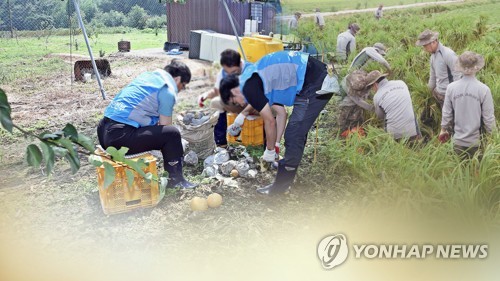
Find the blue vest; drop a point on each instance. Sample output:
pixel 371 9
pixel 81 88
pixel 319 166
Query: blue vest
pixel 282 74
pixel 137 104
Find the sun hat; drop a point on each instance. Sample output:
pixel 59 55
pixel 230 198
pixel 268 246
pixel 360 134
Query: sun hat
pixel 354 27
pixel 426 37
pixel 380 48
pixel 373 77
pixel 469 63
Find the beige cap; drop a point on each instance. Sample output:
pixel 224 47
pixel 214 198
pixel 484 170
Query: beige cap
pixel 426 37
pixel 469 63
pixel 380 48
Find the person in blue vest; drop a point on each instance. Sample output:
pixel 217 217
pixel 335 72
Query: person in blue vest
pixel 288 78
pixel 140 118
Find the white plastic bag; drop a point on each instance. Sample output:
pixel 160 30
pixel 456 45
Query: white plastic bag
pixel 330 85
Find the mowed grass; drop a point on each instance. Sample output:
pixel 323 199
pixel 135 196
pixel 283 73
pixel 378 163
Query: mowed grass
pixel 291 6
pixel 27 56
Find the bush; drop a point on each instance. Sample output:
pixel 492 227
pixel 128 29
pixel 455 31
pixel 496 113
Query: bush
pixel 137 17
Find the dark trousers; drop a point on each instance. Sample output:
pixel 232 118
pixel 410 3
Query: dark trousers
pixel 164 138
pixel 220 130
pixel 306 109
pixel 465 152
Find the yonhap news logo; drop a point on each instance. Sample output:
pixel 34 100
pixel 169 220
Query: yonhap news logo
pixel 333 250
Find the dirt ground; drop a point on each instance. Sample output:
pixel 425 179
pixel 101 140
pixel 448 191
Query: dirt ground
pixel 60 216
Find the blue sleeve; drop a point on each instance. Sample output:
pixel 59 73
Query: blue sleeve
pixel 166 101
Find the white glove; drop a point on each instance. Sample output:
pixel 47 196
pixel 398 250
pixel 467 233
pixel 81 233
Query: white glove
pixel 201 99
pixel 269 155
pixel 233 130
pixel 239 120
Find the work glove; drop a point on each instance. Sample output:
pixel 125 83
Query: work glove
pixel 234 130
pixel 269 155
pixel 239 120
pixel 202 98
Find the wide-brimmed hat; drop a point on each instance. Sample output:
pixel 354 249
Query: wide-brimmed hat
pixel 426 37
pixel 373 77
pixel 469 63
pixel 356 80
pixel 298 14
pixel 380 48
pixel 354 27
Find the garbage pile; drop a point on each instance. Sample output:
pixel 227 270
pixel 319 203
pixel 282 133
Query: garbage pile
pixel 196 127
pixel 231 162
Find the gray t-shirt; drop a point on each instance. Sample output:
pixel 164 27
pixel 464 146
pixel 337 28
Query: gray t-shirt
pixel 346 44
pixel 393 104
pixel 468 103
pixel 442 60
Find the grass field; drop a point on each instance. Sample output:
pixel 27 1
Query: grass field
pixel 21 58
pixel 291 6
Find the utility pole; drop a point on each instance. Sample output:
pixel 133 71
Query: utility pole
pixel 10 19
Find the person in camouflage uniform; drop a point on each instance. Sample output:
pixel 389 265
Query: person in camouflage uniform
pixel 351 114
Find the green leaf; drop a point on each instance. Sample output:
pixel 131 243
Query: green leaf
pixel 95 160
pixel 33 155
pixel 130 178
pixel 70 132
pixel 109 174
pixel 48 157
pixel 66 144
pixel 49 136
pixel 117 155
pixel 5 111
pixel 137 166
pixel 74 162
pixel 86 142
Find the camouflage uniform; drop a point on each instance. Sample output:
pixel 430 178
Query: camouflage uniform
pixel 351 108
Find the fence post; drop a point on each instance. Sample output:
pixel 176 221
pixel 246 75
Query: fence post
pixel 10 19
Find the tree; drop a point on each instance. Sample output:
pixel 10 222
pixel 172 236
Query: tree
pixel 137 17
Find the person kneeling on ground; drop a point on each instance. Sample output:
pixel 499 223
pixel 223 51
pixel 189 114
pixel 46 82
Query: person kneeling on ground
pixel 392 102
pixel 140 118
pixel 287 78
pixel 351 114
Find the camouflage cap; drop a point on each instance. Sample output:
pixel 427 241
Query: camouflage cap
pixel 469 63
pixel 426 37
pixel 356 80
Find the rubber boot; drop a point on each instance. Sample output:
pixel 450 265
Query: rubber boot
pixel 175 176
pixel 282 182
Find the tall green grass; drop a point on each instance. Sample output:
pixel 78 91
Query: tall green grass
pixel 430 179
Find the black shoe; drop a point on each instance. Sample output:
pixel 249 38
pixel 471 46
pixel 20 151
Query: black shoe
pixel 175 176
pixel 282 182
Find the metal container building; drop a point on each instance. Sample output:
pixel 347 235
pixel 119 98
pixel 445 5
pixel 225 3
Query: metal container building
pixel 211 15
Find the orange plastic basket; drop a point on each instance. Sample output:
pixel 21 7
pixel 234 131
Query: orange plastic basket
pixel 252 131
pixel 119 197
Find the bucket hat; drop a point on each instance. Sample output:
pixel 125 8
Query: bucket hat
pixel 426 37
pixel 469 63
